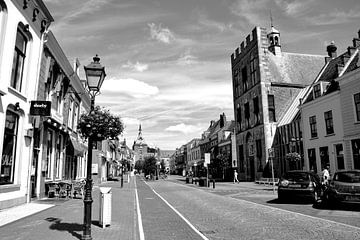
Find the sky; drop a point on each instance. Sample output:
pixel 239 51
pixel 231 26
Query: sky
pixel 168 61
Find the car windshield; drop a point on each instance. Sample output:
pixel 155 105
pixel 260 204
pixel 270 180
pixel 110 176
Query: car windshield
pixel 297 176
pixel 349 177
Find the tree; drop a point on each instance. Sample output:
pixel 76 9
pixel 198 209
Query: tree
pixel 150 165
pixel 223 162
pixel 139 165
pixel 100 124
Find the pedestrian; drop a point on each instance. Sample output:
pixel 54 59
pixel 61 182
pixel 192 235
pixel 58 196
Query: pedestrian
pixel 325 176
pixel 236 176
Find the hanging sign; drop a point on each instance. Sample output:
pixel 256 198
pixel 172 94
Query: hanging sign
pixel 40 108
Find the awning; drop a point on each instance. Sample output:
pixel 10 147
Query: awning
pixel 79 148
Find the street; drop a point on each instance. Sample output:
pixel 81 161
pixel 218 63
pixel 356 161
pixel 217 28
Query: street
pixel 233 212
pixel 171 209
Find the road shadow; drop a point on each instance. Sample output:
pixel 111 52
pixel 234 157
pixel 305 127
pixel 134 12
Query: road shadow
pixel 72 228
pixel 353 207
pixel 290 201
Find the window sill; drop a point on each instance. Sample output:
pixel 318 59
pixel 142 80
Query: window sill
pixel 9 188
pixel 314 138
pixel 17 93
pixel 330 135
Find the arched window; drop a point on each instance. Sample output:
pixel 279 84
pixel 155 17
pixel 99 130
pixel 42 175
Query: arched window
pixel 22 39
pixel 7 167
pixel 271 40
pixel 276 40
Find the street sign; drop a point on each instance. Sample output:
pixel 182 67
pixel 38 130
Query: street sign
pixel 271 152
pixel 40 108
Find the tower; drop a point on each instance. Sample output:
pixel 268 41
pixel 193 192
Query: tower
pixel 274 41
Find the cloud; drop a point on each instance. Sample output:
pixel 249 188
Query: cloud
pixel 132 87
pixel 251 10
pixel 161 34
pixel 139 67
pixel 187 59
pixel 335 17
pixel 183 128
pixel 294 7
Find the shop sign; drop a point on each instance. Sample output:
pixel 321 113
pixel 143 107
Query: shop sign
pixel 40 108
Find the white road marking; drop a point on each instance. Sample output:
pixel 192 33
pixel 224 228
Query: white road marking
pixel 141 229
pixel 180 215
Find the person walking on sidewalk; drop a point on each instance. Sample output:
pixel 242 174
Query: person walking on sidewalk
pixel 236 176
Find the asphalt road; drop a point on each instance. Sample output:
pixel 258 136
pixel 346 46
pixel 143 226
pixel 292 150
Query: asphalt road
pixel 232 212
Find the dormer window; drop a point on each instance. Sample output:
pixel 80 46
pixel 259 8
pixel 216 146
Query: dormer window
pixel 317 91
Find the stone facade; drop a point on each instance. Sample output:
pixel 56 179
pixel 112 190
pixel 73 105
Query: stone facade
pixel 265 82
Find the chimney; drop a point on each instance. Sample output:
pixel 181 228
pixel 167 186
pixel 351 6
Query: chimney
pixel 331 49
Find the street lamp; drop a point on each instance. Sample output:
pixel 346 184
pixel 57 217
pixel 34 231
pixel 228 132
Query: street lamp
pixel 95 75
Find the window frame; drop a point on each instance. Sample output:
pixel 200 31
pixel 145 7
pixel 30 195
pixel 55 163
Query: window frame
pixel 14 136
pixel 17 75
pixel 329 122
pixel 271 108
pixel 356 106
pixel 313 127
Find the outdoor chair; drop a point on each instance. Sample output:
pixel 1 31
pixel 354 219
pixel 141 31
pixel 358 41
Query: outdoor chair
pixel 53 190
pixel 78 188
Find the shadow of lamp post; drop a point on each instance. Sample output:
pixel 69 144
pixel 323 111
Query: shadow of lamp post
pixel 95 75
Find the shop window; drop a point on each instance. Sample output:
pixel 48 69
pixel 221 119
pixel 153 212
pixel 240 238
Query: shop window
pixel 312 159
pixel 49 154
pixel 355 145
pixel 339 156
pixel 7 167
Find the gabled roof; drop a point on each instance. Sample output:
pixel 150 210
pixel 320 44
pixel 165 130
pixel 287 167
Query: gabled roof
pixel 294 68
pixel 293 109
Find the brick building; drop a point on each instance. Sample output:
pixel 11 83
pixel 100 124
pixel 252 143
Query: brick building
pixel 265 81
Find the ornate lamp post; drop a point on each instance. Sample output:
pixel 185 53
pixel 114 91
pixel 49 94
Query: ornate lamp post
pixel 95 75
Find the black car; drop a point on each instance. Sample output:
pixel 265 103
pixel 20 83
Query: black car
pixel 300 184
pixel 344 187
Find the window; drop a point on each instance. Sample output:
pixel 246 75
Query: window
pixel 256 110
pixel 244 79
pixel 312 159
pixel 317 91
pixel 18 60
pixel 76 115
pixel 271 107
pixel 253 69
pixel 238 115
pixel 313 129
pixel 247 115
pixel 339 156
pixel 324 157
pixel 357 106
pixel 329 122
pixel 8 157
pixel 70 113
pixel 355 144
pixel 259 154
pixel 49 154
pixel 241 158
pixel 58 156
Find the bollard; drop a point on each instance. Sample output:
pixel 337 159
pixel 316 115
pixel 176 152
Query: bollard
pixel 213 183
pixel 122 181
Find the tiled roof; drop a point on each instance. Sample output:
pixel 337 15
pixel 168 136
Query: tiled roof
pixel 295 68
pixel 293 109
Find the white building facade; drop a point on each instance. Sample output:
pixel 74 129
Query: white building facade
pixel 22 28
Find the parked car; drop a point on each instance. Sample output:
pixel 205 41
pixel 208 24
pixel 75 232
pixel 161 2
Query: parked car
pixel 299 185
pixel 344 187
